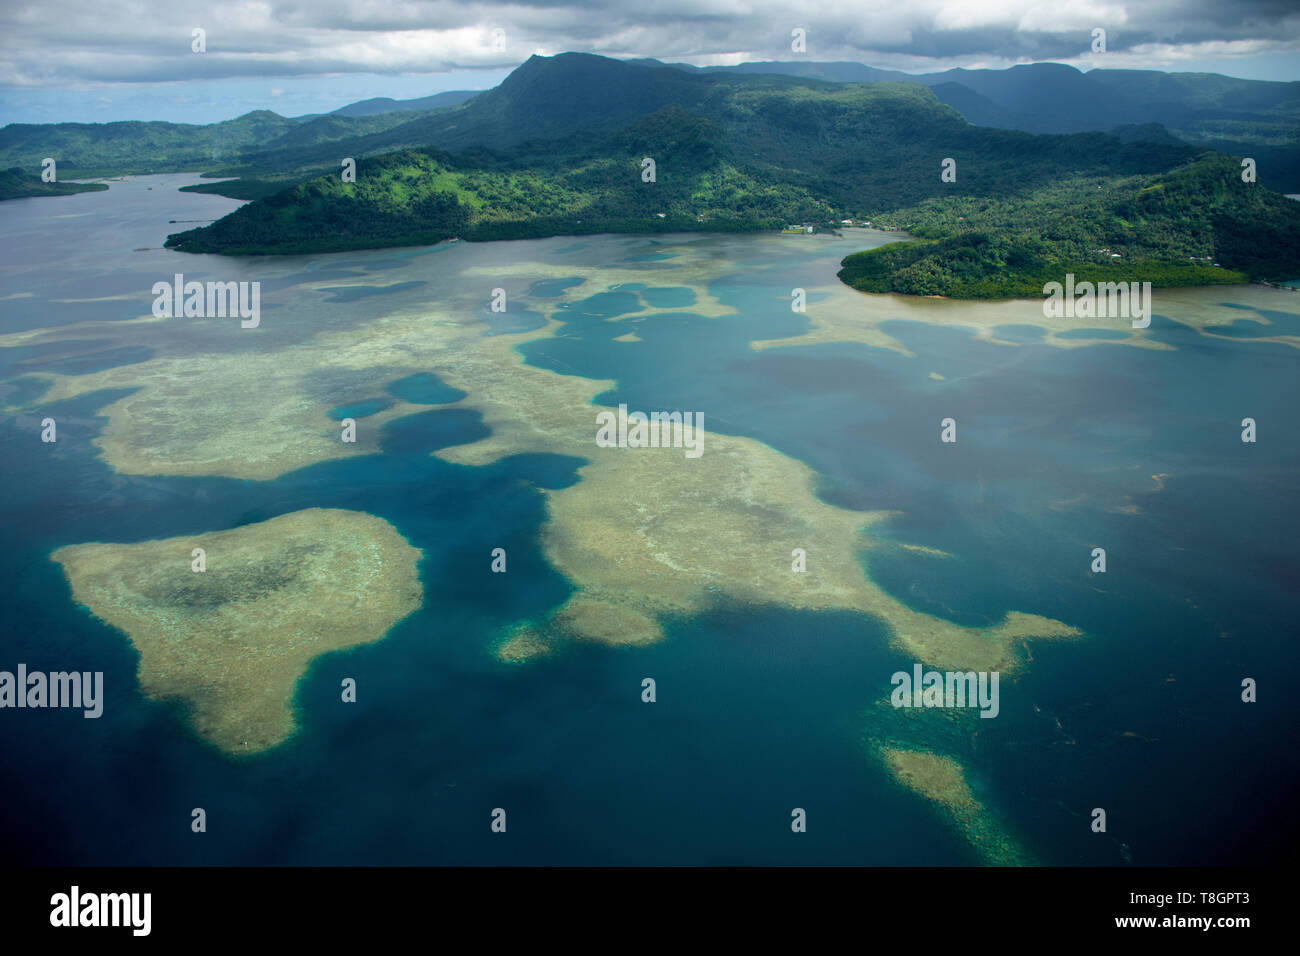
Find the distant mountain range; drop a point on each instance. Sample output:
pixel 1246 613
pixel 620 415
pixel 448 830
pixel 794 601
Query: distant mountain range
pixel 135 147
pixel 382 104
pixel 1055 98
pixel 1255 118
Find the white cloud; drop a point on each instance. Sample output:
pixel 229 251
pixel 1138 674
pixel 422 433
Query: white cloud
pixel 1081 15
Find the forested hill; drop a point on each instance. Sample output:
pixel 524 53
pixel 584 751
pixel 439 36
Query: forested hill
pixel 93 149
pixel 1240 117
pixel 572 133
pixel 728 151
pixel 1256 118
pixel 1195 225
pixel 15 183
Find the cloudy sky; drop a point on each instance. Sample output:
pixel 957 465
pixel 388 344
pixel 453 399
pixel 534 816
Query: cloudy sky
pixel 96 61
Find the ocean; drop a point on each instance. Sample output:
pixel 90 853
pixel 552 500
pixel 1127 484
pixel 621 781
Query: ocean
pixel 1067 441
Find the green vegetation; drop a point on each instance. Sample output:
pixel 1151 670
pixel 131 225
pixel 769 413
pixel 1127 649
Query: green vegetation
pixel 553 98
pixel 977 266
pixel 260 140
pixel 16 184
pixel 731 152
pixel 136 147
pixel 1255 118
pixel 395 201
pixel 569 135
pixel 420 197
pixel 1169 229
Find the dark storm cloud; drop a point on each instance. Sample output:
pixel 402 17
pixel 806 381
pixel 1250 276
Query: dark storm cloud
pixel 82 41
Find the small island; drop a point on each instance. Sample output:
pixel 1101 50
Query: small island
pixel 942 781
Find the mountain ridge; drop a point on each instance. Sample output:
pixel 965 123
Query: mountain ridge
pixel 1256 118
pixel 738 151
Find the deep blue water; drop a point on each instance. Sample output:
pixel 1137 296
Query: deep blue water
pixel 1279 323
pixel 424 388
pixel 351 293
pixel 758 710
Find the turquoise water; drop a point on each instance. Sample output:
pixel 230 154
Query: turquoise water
pixel 760 709
pixel 367 406
pixel 1115 334
pixel 669 297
